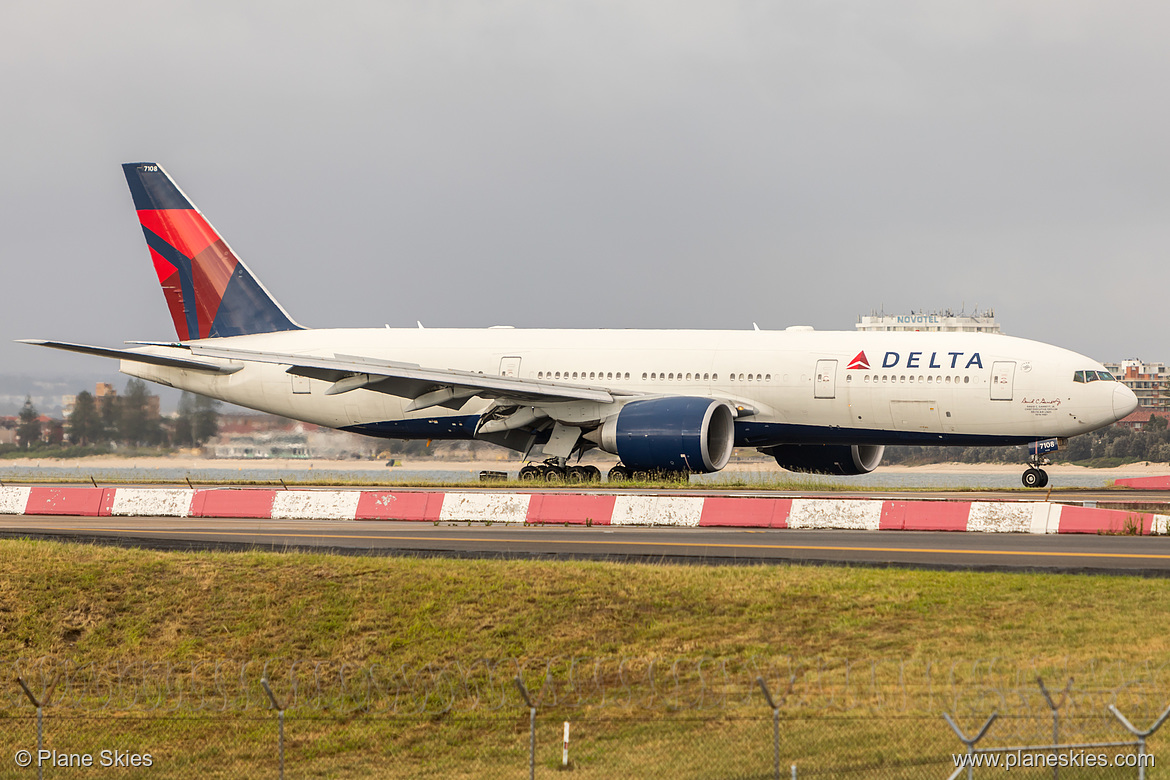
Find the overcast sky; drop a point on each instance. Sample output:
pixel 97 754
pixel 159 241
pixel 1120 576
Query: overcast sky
pixel 568 164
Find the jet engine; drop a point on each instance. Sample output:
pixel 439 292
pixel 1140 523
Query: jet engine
pixel 842 460
pixel 678 433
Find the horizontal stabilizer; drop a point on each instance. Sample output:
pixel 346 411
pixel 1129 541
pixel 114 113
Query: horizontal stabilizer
pixel 138 357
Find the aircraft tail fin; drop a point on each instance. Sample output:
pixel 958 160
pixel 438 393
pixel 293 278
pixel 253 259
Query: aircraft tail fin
pixel 209 290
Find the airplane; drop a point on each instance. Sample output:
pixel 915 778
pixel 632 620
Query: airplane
pixel 662 401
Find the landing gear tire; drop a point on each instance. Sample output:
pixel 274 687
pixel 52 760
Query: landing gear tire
pixel 575 475
pixel 619 473
pixel 529 473
pixel 592 473
pixel 553 474
pixel 1035 478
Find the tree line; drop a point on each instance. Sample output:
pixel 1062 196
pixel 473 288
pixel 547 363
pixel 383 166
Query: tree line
pixel 127 420
pixel 1110 446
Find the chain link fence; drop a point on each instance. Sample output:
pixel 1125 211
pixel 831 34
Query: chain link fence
pixel 687 718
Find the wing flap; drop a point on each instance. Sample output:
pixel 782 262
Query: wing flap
pixel 409 380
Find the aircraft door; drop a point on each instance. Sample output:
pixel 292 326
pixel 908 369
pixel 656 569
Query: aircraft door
pixel 825 379
pixel 510 366
pixel 1003 376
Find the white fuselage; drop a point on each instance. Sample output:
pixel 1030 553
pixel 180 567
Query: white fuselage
pixel 796 386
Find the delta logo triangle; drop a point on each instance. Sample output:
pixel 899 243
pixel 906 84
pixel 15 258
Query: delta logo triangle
pixel 861 361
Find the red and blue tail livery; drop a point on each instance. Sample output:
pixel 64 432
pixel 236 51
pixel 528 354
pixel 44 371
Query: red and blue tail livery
pixel 209 290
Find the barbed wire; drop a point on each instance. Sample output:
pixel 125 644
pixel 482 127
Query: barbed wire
pixel 969 690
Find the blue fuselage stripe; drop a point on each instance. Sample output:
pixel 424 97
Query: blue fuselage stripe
pixel 747 434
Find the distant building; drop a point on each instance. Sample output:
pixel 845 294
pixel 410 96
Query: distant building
pixel 9 425
pixel 270 444
pixel 106 390
pixel 1150 382
pixel 932 322
pixel 1141 418
pixel 261 436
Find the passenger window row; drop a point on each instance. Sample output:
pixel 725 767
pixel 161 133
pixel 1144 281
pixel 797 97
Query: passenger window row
pixel 653 376
pixel 608 375
pixel 909 379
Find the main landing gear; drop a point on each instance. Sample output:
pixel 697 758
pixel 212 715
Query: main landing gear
pixel 623 473
pixel 551 472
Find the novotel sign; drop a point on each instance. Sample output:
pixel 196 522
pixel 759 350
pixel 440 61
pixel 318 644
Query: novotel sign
pixel 917 319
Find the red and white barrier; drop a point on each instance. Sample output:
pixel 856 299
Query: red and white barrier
pixel 150 502
pixel 1034 517
pixel 315 504
pixel 1144 483
pixel 14 500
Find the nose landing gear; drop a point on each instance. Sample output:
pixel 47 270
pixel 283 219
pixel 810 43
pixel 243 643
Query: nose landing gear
pixel 1036 477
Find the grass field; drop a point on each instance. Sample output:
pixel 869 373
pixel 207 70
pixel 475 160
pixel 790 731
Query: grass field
pixel 103 602
pixel 99 604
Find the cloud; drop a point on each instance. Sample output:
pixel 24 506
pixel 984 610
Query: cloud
pixel 597 164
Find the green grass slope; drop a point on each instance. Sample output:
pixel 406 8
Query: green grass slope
pixel 96 603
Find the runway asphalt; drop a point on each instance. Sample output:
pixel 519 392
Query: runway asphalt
pixel 1133 555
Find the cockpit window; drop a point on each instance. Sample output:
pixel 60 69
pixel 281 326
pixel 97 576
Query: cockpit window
pixel 1093 376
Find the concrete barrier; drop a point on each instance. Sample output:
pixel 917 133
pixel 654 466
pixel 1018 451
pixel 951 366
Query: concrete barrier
pixel 681 511
pixel 925 516
pixel 245 502
pixel 851 514
pixel 485 507
pixel 391 505
pixel 72 502
pixel 746 512
pixel 151 502
pixel 14 500
pixel 315 504
pixel 1144 483
pixel 1035 517
pixel 577 509
pixel 1082 520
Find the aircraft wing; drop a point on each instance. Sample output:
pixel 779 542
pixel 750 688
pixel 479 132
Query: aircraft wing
pixel 426 386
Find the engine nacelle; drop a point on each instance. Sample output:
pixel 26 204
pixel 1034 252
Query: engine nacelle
pixel 678 433
pixel 842 460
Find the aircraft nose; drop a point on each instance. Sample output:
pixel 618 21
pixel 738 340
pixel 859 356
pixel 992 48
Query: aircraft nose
pixel 1124 401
